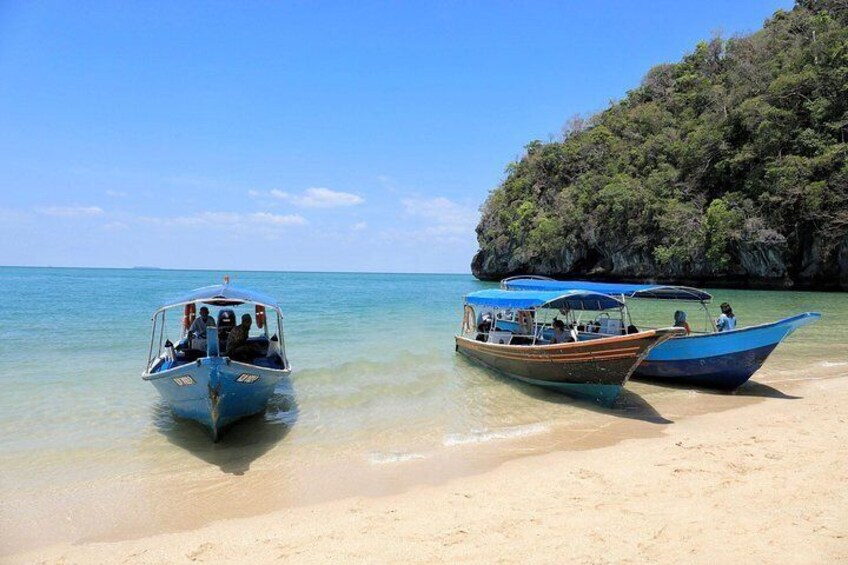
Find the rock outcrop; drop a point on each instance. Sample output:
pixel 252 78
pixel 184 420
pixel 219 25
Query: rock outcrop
pixel 727 168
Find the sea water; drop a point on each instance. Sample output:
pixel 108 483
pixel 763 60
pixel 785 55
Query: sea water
pixel 378 399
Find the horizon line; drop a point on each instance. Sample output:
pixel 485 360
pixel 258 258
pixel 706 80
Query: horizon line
pixel 153 268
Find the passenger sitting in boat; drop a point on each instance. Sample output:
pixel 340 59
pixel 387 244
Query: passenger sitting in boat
pixel 199 325
pixel 727 320
pixel 680 321
pixel 561 333
pixel 485 325
pixel 525 322
pixel 237 347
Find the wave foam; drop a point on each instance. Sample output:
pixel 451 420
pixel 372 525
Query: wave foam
pixel 380 458
pixel 484 436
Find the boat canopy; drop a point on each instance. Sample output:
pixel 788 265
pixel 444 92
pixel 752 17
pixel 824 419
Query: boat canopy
pixel 654 292
pixel 572 299
pixel 222 295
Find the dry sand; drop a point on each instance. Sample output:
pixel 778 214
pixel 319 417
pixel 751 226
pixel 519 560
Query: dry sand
pixel 764 483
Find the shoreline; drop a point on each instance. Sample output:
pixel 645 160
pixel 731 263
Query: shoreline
pixel 701 489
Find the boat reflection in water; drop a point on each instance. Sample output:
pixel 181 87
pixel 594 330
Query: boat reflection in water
pixel 544 338
pixel 198 377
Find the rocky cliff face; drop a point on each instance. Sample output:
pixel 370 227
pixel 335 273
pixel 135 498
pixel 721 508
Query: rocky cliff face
pixel 758 266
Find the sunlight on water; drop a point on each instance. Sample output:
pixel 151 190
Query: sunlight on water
pixel 376 388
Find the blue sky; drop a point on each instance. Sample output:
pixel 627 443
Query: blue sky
pixel 321 136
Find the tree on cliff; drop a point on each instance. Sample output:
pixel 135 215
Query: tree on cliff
pixel 731 164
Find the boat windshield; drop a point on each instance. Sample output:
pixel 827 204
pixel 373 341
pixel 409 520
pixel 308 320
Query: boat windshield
pixel 245 332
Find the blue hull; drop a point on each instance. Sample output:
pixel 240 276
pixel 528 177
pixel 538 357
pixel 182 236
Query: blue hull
pixel 216 391
pixel 721 360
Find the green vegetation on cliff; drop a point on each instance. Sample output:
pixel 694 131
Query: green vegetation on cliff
pixel 729 165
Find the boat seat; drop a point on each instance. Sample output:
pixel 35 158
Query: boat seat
pixel 611 326
pixel 501 338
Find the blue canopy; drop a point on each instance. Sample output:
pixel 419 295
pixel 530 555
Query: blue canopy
pixel 222 295
pixel 656 292
pixel 572 299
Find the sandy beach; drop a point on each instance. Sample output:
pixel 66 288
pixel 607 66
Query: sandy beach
pixel 763 482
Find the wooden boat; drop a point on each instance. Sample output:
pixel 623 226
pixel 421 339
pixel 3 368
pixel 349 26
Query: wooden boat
pixel 197 377
pixel 509 331
pixel 723 360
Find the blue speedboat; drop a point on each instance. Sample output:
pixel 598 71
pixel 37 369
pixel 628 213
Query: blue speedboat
pixel 723 360
pixel 197 376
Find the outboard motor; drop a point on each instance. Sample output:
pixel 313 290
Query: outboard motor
pixel 226 322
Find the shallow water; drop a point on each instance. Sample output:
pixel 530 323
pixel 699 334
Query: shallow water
pixel 377 401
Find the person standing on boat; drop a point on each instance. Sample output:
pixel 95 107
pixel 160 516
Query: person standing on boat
pixel 237 347
pixel 199 325
pixel 727 320
pixel 680 321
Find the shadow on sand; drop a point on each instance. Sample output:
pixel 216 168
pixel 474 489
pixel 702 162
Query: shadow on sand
pixel 243 442
pixel 752 388
pixel 749 388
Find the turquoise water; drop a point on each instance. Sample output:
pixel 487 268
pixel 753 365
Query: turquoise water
pixel 377 399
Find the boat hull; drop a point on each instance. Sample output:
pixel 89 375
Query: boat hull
pixel 721 360
pixel 595 369
pixel 216 391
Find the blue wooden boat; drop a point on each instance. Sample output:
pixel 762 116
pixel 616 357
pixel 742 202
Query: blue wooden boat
pixel 196 376
pixel 512 332
pixel 723 360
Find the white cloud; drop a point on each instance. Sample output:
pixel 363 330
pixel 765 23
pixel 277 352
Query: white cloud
pixel 116 193
pixel 360 226
pixel 70 211
pixel 232 220
pixel 279 219
pixel 115 226
pixel 444 215
pixel 319 198
pixel 439 221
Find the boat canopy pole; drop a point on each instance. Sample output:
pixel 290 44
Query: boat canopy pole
pixel 161 333
pixel 282 337
pixel 534 326
pixel 710 326
pixel 152 339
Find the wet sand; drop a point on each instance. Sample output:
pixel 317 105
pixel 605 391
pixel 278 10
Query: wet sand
pixel 760 476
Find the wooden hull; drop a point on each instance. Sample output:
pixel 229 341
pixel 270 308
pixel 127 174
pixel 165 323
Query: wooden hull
pixel 596 369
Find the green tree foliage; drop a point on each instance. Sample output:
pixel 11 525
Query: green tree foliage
pixel 741 145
